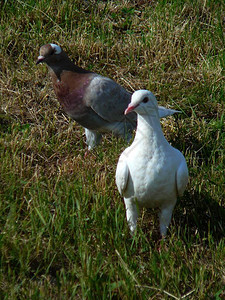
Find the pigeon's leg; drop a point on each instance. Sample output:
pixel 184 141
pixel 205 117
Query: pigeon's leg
pixel 131 213
pixel 93 138
pixel 165 218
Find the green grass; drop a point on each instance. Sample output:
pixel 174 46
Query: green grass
pixel 63 229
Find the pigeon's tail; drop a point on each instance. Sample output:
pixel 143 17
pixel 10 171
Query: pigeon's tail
pixel 165 112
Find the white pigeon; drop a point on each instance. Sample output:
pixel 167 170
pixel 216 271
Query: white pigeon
pixel 150 173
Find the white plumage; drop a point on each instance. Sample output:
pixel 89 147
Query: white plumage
pixel 150 173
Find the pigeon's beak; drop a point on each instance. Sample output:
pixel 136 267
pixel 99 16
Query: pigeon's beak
pixel 40 59
pixel 129 109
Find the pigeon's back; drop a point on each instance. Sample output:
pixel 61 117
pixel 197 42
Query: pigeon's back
pixel 108 99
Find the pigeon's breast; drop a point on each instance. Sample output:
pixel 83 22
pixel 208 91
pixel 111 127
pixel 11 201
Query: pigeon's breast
pixel 153 179
pixel 70 89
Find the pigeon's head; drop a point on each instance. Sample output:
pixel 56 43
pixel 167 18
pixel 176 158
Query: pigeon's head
pixel 48 53
pixel 142 102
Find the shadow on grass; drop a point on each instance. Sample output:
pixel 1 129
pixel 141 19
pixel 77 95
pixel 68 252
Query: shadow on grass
pixel 195 215
pixel 5 122
pixel 199 214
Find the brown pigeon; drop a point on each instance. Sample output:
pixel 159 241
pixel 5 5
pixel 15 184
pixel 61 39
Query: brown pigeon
pixel 95 102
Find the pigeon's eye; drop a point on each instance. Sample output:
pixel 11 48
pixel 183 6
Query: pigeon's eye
pixel 145 100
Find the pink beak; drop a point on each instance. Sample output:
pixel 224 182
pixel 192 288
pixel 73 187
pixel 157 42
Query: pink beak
pixel 40 59
pixel 129 109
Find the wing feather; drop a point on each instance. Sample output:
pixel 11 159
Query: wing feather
pixel 107 98
pixel 122 175
pixel 182 177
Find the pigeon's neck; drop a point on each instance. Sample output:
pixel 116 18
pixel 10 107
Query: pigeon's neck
pixel 65 65
pixel 149 131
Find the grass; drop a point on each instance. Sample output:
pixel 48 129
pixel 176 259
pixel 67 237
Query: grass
pixel 63 228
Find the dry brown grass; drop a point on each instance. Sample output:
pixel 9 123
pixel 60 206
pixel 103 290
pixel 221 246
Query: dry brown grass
pixel 61 215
